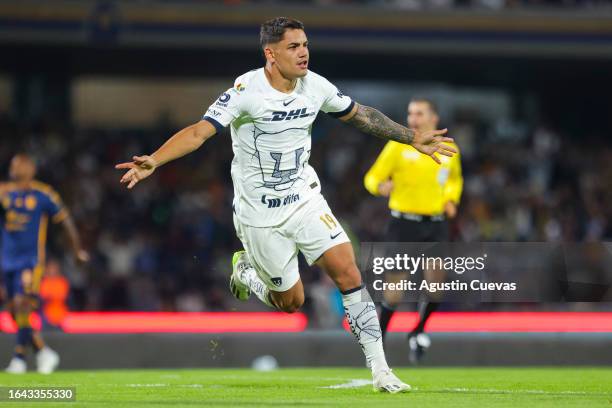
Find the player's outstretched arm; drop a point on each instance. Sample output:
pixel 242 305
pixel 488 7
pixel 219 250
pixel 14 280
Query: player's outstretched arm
pixel 373 122
pixel 182 143
pixel 80 254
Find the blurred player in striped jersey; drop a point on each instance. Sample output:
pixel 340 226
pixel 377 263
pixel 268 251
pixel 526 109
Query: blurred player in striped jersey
pixel 278 206
pixel 27 205
pixel 423 196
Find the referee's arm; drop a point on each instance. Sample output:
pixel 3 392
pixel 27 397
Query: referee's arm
pixel 453 187
pixel 382 168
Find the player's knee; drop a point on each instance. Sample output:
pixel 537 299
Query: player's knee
pixel 292 305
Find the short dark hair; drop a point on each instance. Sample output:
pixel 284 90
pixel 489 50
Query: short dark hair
pixel 432 105
pixel 24 155
pixel 272 30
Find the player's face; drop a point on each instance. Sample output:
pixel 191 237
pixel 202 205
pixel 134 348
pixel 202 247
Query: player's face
pixel 291 54
pixel 21 168
pixel 421 117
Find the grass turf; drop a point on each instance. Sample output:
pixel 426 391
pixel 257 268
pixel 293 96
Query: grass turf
pixel 432 387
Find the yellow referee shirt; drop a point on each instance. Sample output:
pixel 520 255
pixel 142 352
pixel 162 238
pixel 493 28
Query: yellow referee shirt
pixel 420 185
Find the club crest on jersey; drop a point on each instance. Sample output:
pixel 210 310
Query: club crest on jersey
pixel 277 202
pixel 30 202
pixel 278 116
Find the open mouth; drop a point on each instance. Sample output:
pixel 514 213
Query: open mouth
pixel 303 64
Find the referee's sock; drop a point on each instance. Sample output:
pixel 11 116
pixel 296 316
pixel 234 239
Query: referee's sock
pixel 386 312
pixel 426 308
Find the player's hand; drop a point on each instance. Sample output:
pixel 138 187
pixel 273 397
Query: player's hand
pixel 139 169
pixel 432 142
pixel 82 256
pixel 450 209
pixel 385 188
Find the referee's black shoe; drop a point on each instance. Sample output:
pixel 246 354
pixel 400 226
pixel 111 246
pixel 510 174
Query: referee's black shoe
pixel 418 344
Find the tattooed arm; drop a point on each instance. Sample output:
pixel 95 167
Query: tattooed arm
pixel 375 123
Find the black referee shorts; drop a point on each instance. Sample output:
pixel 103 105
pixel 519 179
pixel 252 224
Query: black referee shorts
pixel 403 230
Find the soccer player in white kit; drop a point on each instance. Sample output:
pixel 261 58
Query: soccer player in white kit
pixel 278 206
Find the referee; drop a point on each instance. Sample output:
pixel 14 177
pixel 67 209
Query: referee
pixel 422 197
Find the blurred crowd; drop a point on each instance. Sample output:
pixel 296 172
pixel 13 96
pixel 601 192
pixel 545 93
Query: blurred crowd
pixel 167 244
pixel 446 4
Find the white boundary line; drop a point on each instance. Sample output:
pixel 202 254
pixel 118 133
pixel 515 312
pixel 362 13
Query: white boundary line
pixel 354 383
pixel 357 383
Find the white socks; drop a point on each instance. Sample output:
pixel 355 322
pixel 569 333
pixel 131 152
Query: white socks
pixel 248 276
pixel 363 320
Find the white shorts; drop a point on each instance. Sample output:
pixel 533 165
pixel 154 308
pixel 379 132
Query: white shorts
pixel 273 251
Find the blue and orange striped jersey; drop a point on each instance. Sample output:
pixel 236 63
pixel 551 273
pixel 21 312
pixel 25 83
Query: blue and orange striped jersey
pixel 24 224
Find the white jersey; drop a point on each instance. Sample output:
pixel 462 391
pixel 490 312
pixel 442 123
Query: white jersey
pixel 271 142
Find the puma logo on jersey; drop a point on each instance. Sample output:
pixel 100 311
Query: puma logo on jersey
pixel 278 116
pixel 277 202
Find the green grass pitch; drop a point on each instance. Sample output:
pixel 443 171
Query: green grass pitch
pixel 432 387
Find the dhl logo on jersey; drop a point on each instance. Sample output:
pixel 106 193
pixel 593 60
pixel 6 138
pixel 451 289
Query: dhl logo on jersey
pixel 278 116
